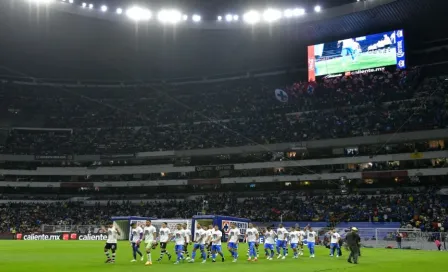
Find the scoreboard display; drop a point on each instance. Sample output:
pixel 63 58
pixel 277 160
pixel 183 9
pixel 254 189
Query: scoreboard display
pixel 357 55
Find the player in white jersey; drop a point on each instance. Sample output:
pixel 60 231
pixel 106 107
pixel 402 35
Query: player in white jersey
pixel 200 237
pixel 150 235
pixel 179 240
pixel 233 241
pixel 302 238
pixel 269 236
pixel 187 240
pixel 111 243
pixel 294 239
pixel 164 237
pixel 209 241
pixel 252 238
pixel 311 237
pixel 334 243
pixel 347 50
pixel 136 238
pixel 282 233
pixel 216 244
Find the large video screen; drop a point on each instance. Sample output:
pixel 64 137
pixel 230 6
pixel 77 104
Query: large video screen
pixel 362 54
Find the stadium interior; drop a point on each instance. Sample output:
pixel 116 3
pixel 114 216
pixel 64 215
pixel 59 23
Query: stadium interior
pixel 133 108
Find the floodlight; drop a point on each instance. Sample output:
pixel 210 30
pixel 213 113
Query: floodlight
pixel 41 1
pixel 298 11
pixel 119 11
pixel 236 17
pixel 90 6
pixel 138 13
pixel 229 17
pixel 317 8
pixel 185 17
pixel 252 17
pixel 288 13
pixel 103 8
pixel 84 5
pixel 169 16
pixel 219 18
pixel 70 1
pixel 196 18
pixel 272 15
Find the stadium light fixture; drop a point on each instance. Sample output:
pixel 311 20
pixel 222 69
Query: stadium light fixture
pixel 317 8
pixel 288 13
pixel 84 5
pixel 196 18
pixel 219 18
pixel 236 17
pixel 139 14
pixel 298 11
pixel 171 16
pixel 229 17
pixel 103 8
pixel 90 6
pixel 271 15
pixel 119 10
pixel 45 2
pixel 251 17
pixel 70 1
pixel 185 17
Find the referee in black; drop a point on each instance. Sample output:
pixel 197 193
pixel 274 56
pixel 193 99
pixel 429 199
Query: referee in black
pixel 353 240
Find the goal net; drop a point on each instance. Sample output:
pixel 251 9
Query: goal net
pixel 411 238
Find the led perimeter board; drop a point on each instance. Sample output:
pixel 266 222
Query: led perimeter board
pixel 360 54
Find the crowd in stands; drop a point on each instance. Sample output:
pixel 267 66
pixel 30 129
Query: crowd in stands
pixel 240 112
pixel 420 208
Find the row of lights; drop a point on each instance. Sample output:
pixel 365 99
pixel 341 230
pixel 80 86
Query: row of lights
pixel 173 16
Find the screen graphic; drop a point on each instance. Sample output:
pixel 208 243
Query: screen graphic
pixel 353 54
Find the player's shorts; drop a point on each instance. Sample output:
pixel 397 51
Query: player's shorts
pixel 198 246
pixel 310 245
pixel 293 245
pixel 216 248
pixel 149 244
pixel 305 241
pixel 162 245
pixel 111 246
pixel 269 246
pixel 135 245
pixel 334 245
pixel 281 243
pixel 232 245
pixel 178 248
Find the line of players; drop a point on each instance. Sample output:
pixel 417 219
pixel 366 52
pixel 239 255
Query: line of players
pixel 208 242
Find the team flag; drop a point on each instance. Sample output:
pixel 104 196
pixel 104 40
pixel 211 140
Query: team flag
pixel 281 95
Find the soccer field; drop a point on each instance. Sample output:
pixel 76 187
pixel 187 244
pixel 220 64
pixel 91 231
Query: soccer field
pixel 68 256
pixel 364 61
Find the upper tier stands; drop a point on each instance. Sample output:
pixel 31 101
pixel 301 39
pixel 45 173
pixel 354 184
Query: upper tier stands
pixel 233 113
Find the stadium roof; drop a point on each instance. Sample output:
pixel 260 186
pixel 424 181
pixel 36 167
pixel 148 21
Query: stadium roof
pixel 50 43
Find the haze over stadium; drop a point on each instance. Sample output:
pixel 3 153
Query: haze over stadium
pixel 236 134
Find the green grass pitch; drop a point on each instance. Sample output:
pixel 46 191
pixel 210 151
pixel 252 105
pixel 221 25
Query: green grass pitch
pixel 88 256
pixel 364 61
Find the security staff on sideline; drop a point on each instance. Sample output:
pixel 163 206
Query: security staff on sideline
pixel 353 240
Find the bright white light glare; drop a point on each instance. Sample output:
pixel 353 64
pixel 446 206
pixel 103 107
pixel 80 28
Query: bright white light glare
pixel 84 5
pixel 185 17
pixel 251 17
pixel 271 15
pixel 119 11
pixel 317 8
pixel 169 16
pixel 236 17
pixel 70 1
pixel 42 1
pixel 288 13
pixel 196 18
pixel 103 8
pixel 298 12
pixel 229 17
pixel 90 6
pixel 219 18
pixel 138 14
